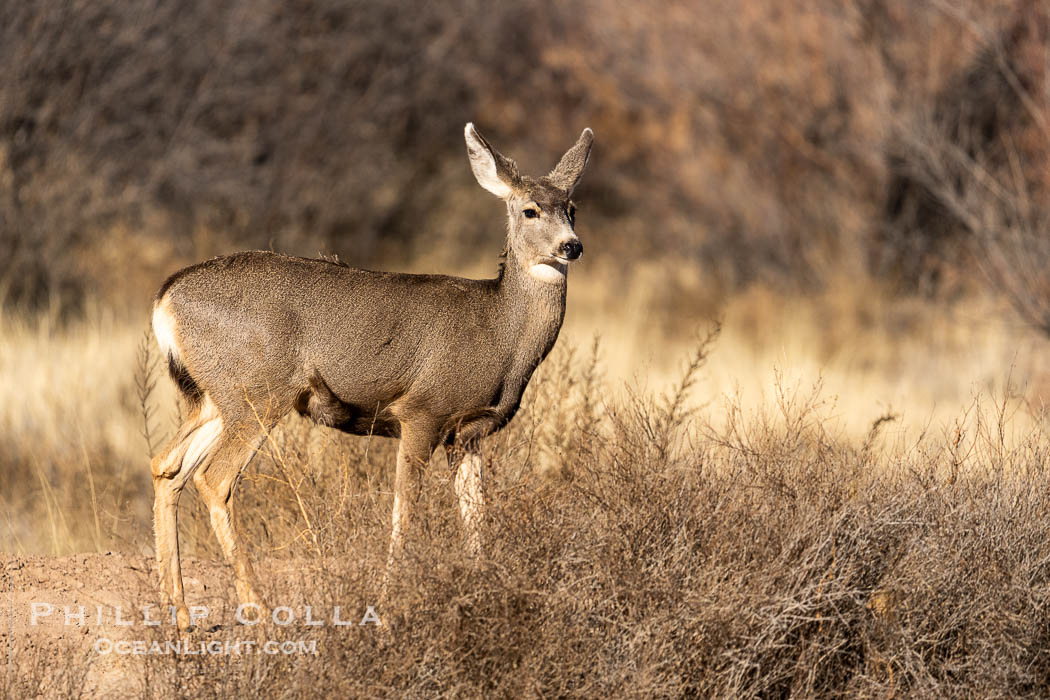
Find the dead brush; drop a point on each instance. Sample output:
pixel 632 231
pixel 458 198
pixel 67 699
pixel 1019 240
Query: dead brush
pixel 760 553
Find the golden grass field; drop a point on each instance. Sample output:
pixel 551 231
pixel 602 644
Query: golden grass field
pixel 793 439
pixel 71 400
pixel 838 494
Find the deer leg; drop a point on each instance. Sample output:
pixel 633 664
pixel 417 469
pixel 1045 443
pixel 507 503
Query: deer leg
pixel 171 470
pixel 165 505
pixel 471 498
pixel 215 481
pixel 413 453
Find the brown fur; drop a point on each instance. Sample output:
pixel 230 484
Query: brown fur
pixel 430 359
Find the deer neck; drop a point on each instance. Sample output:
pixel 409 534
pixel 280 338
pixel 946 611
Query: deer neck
pixel 533 308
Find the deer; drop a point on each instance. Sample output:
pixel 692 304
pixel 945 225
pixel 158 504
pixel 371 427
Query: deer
pixel 431 360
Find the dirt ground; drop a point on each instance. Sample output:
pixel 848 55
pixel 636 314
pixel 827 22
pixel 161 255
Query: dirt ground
pixel 91 623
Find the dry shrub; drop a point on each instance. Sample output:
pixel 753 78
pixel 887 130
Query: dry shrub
pixel 635 545
pixel 968 187
pixel 762 554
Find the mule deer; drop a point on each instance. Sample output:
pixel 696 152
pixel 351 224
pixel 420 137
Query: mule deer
pixel 430 359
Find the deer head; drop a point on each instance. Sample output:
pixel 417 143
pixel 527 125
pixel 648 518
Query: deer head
pixel 540 212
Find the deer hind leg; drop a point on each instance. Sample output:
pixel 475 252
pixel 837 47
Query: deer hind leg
pixel 471 498
pixel 215 481
pixel 171 470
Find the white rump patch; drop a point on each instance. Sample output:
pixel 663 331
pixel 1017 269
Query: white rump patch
pixel 164 329
pixel 204 437
pixel 545 272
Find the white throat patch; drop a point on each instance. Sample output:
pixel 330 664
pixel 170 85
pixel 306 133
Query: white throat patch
pixel 546 272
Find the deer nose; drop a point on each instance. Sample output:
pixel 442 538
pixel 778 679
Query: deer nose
pixel 572 249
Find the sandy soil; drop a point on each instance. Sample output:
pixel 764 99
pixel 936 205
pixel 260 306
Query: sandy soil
pixel 64 620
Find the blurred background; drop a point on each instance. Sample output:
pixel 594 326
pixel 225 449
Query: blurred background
pixel 758 142
pixel 858 189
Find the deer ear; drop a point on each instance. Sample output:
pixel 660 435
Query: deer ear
pixel 497 174
pixel 570 168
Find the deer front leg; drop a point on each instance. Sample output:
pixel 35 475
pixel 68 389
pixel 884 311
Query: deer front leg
pixel 413 453
pixel 471 498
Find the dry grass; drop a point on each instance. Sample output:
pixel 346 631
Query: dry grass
pixel 795 536
pixel 72 393
pixel 845 494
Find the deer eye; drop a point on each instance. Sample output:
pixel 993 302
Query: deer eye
pixel 530 213
pixel 570 212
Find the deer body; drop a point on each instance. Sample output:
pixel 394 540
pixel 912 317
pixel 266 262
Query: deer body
pixel 429 359
pixel 454 347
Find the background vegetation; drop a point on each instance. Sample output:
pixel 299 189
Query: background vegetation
pixel 847 494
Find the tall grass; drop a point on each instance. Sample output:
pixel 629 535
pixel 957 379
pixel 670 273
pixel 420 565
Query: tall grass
pixel 638 542
pixel 83 405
